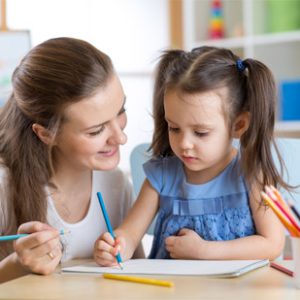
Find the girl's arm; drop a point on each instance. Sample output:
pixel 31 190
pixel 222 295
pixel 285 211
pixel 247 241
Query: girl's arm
pixel 130 233
pixel 268 242
pixel 31 252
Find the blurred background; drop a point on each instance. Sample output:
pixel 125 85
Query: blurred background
pixel 134 32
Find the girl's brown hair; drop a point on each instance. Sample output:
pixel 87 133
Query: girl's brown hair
pixel 52 75
pixel 251 88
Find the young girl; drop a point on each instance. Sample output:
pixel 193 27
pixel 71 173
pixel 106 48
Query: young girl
pixel 206 191
pixel 60 133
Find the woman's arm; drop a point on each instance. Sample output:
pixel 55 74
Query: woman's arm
pixel 130 233
pixel 10 268
pixel 32 253
pixel 268 242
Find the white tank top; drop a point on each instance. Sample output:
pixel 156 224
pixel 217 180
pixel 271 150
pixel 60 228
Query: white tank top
pixel 118 197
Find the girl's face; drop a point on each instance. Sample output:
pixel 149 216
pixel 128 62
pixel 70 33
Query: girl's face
pixel 198 133
pixel 93 130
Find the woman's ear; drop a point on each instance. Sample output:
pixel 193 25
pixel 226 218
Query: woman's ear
pixel 240 125
pixel 42 133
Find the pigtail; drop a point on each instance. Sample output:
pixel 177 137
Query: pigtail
pixel 160 142
pixel 256 143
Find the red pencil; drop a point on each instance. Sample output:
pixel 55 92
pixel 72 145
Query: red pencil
pixel 281 269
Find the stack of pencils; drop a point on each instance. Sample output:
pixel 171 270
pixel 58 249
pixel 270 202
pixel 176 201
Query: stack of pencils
pixel 285 211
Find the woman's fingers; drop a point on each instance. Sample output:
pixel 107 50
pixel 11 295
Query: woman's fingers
pixel 40 251
pixel 33 226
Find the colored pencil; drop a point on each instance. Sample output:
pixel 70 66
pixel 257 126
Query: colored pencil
pixel 277 196
pixel 293 231
pixel 281 204
pixel 108 225
pixel 17 236
pixel 287 207
pixel 294 209
pixel 281 269
pixel 288 215
pixel 139 279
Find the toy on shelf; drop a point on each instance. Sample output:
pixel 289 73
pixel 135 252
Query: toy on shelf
pixel 216 23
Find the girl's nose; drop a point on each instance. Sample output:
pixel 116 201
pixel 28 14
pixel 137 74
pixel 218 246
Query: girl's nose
pixel 186 142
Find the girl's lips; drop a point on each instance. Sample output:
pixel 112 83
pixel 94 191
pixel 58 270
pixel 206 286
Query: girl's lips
pixel 109 153
pixel 188 158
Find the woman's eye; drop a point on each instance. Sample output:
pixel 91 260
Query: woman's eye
pixel 94 133
pixel 173 129
pixel 122 111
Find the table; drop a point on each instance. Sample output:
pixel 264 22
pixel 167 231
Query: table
pixel 264 283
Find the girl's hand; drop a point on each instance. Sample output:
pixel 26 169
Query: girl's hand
pixel 186 245
pixel 40 251
pixel 106 248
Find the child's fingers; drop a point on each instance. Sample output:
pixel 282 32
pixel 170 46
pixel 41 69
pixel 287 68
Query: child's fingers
pixel 104 258
pixel 169 241
pixel 108 238
pixel 104 246
pixel 183 231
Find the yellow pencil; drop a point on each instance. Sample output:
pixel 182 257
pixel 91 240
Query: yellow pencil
pixel 293 231
pixel 139 279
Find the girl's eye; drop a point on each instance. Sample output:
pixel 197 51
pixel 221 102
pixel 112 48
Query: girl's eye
pixel 94 133
pixel 201 134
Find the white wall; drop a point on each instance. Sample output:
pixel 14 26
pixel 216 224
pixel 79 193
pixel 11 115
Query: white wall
pixel 131 32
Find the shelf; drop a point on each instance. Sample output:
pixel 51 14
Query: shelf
pixel 274 38
pixel 253 29
pixel 287 129
pixel 262 39
pixel 231 43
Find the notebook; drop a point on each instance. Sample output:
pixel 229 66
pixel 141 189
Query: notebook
pixel 216 268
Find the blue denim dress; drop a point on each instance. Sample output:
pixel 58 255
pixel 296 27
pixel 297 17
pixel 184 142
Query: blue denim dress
pixel 217 210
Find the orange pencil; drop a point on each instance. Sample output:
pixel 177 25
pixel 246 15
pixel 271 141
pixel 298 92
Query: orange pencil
pixel 282 205
pixel 279 197
pixel 291 219
pixel 293 231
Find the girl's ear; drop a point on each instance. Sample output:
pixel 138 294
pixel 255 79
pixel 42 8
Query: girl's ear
pixel 240 125
pixel 42 133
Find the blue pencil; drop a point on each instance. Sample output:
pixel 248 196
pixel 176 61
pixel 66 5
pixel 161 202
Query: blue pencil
pixel 17 236
pixel 108 225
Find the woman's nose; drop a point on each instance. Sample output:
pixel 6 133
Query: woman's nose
pixel 117 134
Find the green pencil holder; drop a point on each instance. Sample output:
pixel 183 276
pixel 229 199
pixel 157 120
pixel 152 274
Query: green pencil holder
pixel 283 15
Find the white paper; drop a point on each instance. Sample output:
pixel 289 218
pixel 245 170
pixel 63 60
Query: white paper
pixel 219 268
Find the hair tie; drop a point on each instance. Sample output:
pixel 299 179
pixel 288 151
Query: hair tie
pixel 240 65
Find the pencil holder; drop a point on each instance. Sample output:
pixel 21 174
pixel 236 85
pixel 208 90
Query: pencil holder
pixel 296 257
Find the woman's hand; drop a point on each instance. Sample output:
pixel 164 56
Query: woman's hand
pixel 40 251
pixel 106 248
pixel 187 244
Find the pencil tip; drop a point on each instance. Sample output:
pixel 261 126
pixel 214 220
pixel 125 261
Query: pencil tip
pixel 65 231
pixel 121 266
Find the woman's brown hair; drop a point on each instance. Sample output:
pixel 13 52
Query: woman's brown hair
pixel 54 74
pixel 251 88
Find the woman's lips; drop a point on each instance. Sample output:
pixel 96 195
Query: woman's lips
pixel 109 153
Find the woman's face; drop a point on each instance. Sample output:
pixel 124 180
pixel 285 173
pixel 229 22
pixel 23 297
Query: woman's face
pixel 93 130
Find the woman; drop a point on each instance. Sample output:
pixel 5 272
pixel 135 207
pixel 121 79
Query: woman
pixel 60 133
